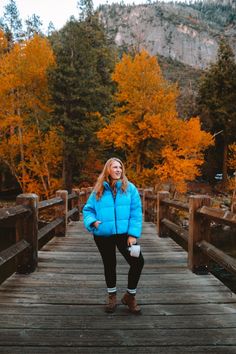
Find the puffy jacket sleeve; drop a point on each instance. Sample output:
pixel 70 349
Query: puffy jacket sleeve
pixel 135 222
pixel 89 213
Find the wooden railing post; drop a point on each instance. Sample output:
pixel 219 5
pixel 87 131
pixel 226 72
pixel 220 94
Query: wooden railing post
pixel 199 229
pixel 162 212
pixel 75 203
pixel 27 229
pixel 61 212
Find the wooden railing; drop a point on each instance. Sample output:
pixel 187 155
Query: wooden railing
pixel 158 208
pixel 20 225
pixel 24 219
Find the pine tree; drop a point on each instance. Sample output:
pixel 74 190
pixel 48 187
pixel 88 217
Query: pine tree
pixel 86 9
pixel 217 102
pixel 33 26
pixel 12 24
pixel 81 89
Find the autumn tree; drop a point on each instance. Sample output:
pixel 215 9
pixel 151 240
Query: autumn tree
pixel 26 136
pixel 159 146
pixel 81 88
pixel 217 103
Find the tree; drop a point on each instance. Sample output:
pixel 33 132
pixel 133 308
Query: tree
pixel 11 22
pixel 86 9
pixel 217 102
pixel 157 144
pixel 24 109
pixel 50 29
pixel 33 26
pixel 81 90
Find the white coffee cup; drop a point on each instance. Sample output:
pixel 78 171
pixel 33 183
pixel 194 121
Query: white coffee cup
pixel 134 251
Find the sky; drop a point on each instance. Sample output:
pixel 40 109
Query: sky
pixel 57 11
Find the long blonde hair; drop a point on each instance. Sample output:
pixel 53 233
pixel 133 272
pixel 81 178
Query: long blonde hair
pixel 105 177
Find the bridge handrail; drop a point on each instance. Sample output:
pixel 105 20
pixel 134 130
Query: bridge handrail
pixel 23 217
pixel 157 206
pixel 197 238
pixel 49 203
pixel 13 212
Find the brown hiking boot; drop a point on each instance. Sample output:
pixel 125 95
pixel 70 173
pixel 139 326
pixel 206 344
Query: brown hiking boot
pixel 130 301
pixel 111 303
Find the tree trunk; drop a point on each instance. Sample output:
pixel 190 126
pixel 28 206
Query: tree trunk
pixel 67 172
pixel 224 167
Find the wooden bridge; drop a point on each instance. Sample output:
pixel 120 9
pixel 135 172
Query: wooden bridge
pixel 58 308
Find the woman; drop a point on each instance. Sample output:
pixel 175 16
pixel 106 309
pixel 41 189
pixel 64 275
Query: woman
pixel 113 214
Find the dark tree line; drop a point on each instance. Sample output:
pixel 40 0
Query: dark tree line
pixel 217 106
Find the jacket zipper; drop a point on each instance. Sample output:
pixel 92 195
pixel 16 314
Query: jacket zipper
pixel 114 199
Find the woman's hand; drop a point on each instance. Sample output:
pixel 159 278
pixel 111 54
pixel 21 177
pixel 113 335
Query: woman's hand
pixel 131 240
pixel 96 223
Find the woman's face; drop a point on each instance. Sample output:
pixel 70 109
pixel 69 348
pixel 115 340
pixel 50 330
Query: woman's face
pixel 115 170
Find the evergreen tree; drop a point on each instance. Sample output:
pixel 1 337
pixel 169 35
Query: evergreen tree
pixel 81 89
pixel 50 29
pixel 217 101
pixel 86 9
pixel 11 22
pixel 33 26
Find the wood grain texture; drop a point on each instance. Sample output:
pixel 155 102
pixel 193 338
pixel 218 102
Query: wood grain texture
pixel 60 307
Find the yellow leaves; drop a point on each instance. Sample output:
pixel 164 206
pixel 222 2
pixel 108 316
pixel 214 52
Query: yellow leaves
pixel 42 163
pixel 141 87
pixel 232 157
pixel 3 43
pixel 177 167
pixel 160 147
pixel 34 156
pixel 23 73
pixel 191 136
pixel 145 100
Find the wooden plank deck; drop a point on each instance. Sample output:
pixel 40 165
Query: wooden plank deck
pixel 59 308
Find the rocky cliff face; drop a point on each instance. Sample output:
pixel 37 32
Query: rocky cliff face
pixel 188 34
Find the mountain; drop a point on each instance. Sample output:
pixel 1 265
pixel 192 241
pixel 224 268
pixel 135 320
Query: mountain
pixel 186 33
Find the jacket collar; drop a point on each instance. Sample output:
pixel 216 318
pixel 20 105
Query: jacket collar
pixel 107 185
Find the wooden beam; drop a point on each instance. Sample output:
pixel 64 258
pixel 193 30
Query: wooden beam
pixel 61 212
pixel 48 228
pixel 162 212
pixel 13 212
pixel 49 203
pixel 221 258
pixel 176 204
pixel 219 215
pixel 27 229
pixel 180 231
pixel 13 251
pixel 199 229
pixel 72 212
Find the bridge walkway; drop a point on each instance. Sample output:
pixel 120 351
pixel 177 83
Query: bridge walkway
pixel 59 307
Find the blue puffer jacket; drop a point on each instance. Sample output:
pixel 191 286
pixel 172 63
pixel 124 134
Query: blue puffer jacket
pixel 118 215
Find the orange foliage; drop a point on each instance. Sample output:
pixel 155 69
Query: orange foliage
pixel 159 146
pixel 232 157
pixel 3 43
pixel 232 167
pixel 32 151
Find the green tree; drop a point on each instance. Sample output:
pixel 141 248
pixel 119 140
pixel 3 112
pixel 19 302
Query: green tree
pixel 33 26
pixel 85 8
pixel 11 22
pixel 217 102
pixel 81 88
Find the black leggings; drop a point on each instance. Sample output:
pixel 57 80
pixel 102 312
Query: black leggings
pixel 107 249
